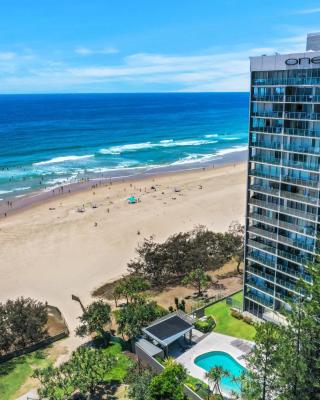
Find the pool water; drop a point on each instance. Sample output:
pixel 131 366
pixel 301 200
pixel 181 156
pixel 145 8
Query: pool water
pixel 224 360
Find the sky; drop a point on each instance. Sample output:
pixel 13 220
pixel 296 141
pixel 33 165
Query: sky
pixel 91 46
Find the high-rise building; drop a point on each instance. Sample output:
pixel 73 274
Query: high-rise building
pixel 283 199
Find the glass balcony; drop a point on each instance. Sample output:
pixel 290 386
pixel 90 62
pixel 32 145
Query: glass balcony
pixel 302 149
pixel 262 246
pixel 284 297
pixel 302 99
pixel 265 204
pixel 265 145
pixel 301 115
pixel 268 129
pixel 286 284
pixel 259 174
pixel 268 160
pixel 286 210
pixel 272 98
pixel 298 197
pixel 286 225
pixel 300 244
pixel 301 132
pixel 264 189
pixel 260 259
pixel 264 289
pixel 301 182
pixel 261 300
pixel 293 257
pixel 301 165
pixel 267 114
pixel 286 81
pixel 294 273
pixel 262 274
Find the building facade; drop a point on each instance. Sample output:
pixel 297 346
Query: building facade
pixel 283 207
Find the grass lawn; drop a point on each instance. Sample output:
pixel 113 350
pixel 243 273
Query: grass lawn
pixel 14 373
pixel 227 324
pixel 123 363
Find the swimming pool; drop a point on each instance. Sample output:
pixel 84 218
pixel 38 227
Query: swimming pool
pixel 221 359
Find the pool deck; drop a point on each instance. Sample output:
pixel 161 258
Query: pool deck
pixel 236 348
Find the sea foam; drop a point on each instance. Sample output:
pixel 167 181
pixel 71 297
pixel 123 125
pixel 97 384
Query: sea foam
pixel 56 160
pixel 114 150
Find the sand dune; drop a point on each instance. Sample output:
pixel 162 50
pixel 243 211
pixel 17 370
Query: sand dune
pixel 51 254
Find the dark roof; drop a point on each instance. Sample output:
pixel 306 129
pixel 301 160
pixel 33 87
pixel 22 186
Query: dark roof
pixel 169 327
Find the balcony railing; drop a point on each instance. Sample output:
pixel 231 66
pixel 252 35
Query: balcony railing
pixel 264 145
pixel 282 239
pixel 301 182
pixel 286 81
pixel 273 98
pixel 261 300
pixel 264 289
pixel 293 257
pixel 284 297
pixel 301 132
pixel 298 197
pixel 286 284
pixel 302 99
pixel 302 149
pixel 267 129
pixel 267 114
pixel 301 165
pixel 286 225
pixel 302 115
pixel 259 174
pixel 265 189
pixel 262 260
pixel 283 209
pixel 262 246
pixel 293 272
pixel 262 274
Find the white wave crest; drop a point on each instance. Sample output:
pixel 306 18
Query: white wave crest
pixel 194 158
pixel 234 149
pixel 149 145
pixel 56 160
pixel 211 135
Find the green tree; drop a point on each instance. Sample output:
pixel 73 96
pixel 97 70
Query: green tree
pixel 134 316
pixel 139 380
pixel 214 376
pixel 300 369
pixel 261 381
pixel 22 322
pixel 235 236
pixel 169 384
pixel 94 319
pixel 198 279
pixel 131 287
pixel 85 373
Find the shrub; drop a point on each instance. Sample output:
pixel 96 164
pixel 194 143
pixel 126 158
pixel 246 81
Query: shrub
pixel 206 325
pixel 248 320
pixel 236 314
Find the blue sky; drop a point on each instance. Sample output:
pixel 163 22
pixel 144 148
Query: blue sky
pixel 144 45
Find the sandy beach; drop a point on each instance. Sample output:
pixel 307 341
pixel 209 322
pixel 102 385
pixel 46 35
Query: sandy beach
pixel 51 250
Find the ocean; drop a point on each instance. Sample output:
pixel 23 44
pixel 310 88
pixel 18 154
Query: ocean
pixel 51 140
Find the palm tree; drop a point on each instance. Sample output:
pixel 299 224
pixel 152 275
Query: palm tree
pixel 214 376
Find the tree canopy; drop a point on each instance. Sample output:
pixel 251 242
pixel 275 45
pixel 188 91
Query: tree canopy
pixel 285 363
pixel 94 319
pixel 198 279
pixel 169 384
pixel 22 323
pixel 84 373
pixel 183 252
pixel 132 317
